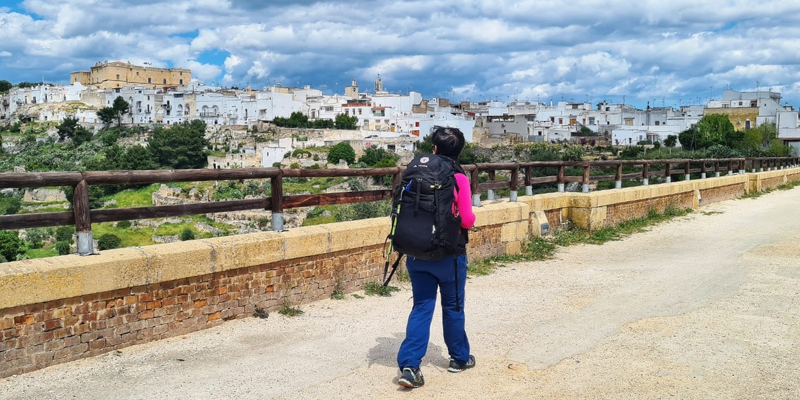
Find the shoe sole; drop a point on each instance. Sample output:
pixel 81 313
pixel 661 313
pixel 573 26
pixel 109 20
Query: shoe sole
pixel 407 384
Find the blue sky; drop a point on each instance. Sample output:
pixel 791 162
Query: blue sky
pixel 672 53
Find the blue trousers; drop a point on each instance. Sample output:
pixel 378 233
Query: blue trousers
pixel 426 278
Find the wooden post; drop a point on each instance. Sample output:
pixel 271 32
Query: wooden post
pixel 514 184
pixel 277 202
pixel 687 169
pixel 490 193
pixel 702 169
pixel 560 179
pixel 528 184
pixel 587 170
pixel 618 177
pixel 667 175
pixel 83 219
pixel 716 168
pixel 645 173
pixel 473 182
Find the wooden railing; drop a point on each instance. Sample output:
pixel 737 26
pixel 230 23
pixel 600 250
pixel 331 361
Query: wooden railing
pixel 533 173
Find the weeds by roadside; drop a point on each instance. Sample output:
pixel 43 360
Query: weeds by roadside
pixel 290 310
pixel 539 248
pixel 785 186
pixel 377 289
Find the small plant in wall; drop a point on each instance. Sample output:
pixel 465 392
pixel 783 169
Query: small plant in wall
pixel 289 309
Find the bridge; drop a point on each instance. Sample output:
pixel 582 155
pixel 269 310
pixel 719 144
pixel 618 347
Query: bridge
pixel 704 306
pixel 68 308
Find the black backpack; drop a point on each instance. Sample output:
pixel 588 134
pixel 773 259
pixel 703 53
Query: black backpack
pixel 423 225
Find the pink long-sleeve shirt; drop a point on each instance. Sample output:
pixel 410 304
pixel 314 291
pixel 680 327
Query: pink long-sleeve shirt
pixel 463 202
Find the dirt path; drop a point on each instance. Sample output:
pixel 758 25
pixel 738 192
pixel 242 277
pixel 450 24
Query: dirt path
pixel 703 307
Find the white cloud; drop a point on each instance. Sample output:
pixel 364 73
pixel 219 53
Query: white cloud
pixel 497 48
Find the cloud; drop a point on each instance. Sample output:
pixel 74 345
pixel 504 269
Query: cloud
pixel 492 48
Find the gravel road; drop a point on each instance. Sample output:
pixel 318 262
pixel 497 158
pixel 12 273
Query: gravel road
pixel 701 307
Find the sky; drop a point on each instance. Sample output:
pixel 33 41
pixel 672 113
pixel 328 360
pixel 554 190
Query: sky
pixel 671 53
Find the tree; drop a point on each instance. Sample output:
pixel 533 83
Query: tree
pixel 10 245
pixel 715 128
pixel 67 128
pixel 671 141
pixel 341 151
pixel 120 107
pixel 107 115
pixel 373 154
pixel 769 132
pixel 692 140
pixel 181 146
pixel 345 122
pixel 5 86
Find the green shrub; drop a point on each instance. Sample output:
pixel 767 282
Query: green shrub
pixel 341 151
pixel 11 245
pixel 35 238
pixel 65 234
pixel 108 242
pixel 187 234
pixel 62 248
pixel 124 224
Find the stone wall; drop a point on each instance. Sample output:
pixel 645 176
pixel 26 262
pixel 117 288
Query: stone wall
pixel 64 308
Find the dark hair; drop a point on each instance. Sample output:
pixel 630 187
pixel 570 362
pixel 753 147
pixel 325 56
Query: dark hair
pixel 448 141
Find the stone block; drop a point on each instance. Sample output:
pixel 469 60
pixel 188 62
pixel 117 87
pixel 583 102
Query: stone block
pixel 503 212
pixel 45 279
pixel 481 216
pixel 554 201
pixel 166 262
pixel 538 222
pixel 231 252
pixel 306 241
pixel 514 247
pixel 357 234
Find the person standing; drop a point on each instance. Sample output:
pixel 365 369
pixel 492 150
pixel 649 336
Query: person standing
pixel 447 276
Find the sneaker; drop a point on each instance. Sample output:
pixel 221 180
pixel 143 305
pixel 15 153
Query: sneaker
pixel 412 378
pixel 455 366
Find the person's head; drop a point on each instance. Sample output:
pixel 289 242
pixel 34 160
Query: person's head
pixel 447 141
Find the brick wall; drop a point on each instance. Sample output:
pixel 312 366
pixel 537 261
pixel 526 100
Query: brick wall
pixel 772 182
pixel 35 336
pixel 717 194
pixel 618 213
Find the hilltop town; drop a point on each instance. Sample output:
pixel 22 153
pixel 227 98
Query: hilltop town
pixel 390 121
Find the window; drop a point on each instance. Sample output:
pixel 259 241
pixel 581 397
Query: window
pixel 149 80
pixel 117 76
pixel 181 81
pixel 658 123
pixel 165 81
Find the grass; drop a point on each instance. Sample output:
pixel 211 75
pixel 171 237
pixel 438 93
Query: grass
pixel 42 253
pixel 543 248
pixel 311 185
pixel 142 197
pixel 377 289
